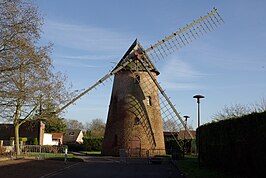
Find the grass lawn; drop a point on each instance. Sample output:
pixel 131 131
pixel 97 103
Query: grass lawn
pixel 190 167
pixel 92 153
pixel 53 156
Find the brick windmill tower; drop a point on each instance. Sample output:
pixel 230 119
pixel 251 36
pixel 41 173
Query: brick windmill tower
pixel 134 119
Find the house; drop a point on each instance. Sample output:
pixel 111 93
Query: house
pixel 73 136
pixel 169 135
pixel 47 139
pixel 184 135
pixel 31 131
pixel 189 143
pixel 53 139
pixel 57 138
pixel 180 135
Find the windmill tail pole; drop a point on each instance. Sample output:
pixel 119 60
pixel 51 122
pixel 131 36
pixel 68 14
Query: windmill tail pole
pixel 93 86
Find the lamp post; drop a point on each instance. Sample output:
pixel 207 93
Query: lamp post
pixel 198 97
pixel 184 148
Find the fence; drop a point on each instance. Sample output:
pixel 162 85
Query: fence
pixel 36 151
pixel 144 153
pixel 43 151
pixel 151 156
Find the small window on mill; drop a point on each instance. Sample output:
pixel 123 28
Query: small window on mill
pixel 137 121
pixel 148 100
pixel 137 79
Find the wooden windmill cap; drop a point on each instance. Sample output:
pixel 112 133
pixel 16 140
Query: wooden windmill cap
pixel 135 64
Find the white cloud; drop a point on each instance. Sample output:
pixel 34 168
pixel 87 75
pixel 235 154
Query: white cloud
pixel 180 85
pixel 98 57
pixel 87 38
pixel 177 74
pixel 76 64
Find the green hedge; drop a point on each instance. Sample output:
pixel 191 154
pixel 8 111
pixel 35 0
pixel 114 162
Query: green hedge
pixel 89 144
pixel 75 147
pixel 92 144
pixel 238 144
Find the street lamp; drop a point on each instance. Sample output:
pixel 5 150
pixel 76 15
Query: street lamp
pixel 186 117
pixel 198 97
pixel 198 101
pixel 184 148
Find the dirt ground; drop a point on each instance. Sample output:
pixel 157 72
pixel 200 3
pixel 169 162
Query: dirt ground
pixel 30 168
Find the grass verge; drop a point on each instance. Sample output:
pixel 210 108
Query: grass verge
pixel 190 168
pixel 91 153
pixel 53 156
pixel 73 159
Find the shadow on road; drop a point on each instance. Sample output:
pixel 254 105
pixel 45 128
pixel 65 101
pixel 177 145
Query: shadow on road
pixel 30 168
pixel 114 167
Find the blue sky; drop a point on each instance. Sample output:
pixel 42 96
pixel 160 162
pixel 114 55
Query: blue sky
pixel 227 66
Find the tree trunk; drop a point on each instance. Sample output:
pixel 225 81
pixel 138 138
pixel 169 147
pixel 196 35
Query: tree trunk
pixel 16 126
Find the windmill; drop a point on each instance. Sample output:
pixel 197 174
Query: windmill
pixel 139 104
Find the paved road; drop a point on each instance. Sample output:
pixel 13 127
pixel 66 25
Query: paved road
pixel 99 167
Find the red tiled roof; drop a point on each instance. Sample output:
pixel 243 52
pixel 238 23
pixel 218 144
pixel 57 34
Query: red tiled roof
pixel 57 135
pixel 184 134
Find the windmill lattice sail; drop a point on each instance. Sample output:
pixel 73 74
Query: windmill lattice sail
pixel 184 36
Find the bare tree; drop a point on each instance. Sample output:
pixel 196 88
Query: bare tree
pixel 29 89
pixel 95 128
pixel 235 110
pixel 74 124
pixel 238 110
pixel 170 125
pixel 259 106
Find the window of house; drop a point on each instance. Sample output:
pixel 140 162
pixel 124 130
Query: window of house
pixel 71 133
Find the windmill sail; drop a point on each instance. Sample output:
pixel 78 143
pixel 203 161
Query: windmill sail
pixel 185 35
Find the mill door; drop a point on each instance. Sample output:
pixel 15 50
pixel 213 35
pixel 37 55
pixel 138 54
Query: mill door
pixel 135 147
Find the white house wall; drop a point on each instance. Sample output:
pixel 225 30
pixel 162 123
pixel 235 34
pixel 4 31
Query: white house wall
pixel 79 138
pixel 48 139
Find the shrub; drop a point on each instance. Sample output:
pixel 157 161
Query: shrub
pixel 35 141
pixel 2 150
pixel 23 139
pixel 92 143
pixel 237 144
pixel 75 147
